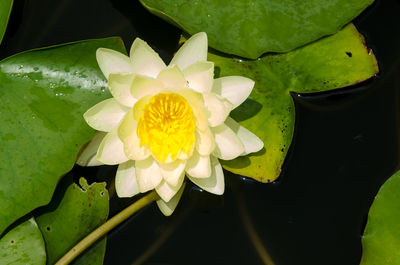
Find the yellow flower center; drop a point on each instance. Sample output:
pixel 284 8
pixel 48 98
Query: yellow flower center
pixel 167 126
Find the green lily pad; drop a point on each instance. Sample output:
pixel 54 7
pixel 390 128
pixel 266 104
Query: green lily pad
pixel 381 240
pixel 333 62
pixel 43 95
pixel 5 10
pixel 251 28
pixel 73 213
pixel 23 245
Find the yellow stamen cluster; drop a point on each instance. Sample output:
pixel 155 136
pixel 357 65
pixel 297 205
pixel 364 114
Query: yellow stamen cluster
pixel 166 126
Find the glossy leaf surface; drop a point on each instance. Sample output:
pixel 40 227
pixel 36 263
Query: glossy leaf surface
pixel 251 28
pixel 73 213
pixel 5 10
pixel 22 245
pixel 333 62
pixel 381 240
pixel 43 95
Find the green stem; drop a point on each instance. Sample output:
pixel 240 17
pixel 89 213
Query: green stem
pixel 106 227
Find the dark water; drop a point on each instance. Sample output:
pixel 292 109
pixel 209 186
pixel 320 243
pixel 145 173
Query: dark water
pixel 345 146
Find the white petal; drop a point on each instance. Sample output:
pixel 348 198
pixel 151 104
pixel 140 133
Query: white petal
pixel 111 61
pixel 228 145
pixel 234 88
pixel 143 86
pixel 167 191
pixel 200 76
pixel 139 106
pixel 148 174
pixel 120 87
pixel 250 141
pixel 106 115
pixel 200 116
pixel 215 183
pixel 145 61
pixel 192 51
pixel 125 180
pixel 111 150
pixel 199 166
pixel 172 77
pixel 127 132
pixel 167 208
pixel 87 157
pixel 204 141
pixel 196 102
pixel 172 172
pixel 217 107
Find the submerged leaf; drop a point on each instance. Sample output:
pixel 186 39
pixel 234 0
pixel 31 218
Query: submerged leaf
pixel 73 213
pixel 43 95
pixel 381 240
pixel 5 10
pixel 251 28
pixel 22 245
pixel 333 62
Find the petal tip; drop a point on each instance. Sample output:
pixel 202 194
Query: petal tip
pixel 192 51
pixel 145 61
pixel 201 36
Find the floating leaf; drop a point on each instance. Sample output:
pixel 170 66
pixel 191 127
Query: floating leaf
pixel 251 28
pixel 23 245
pixel 333 62
pixel 73 213
pixel 381 240
pixel 5 10
pixel 43 95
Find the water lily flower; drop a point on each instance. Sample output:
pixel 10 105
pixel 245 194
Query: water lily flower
pixel 167 122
